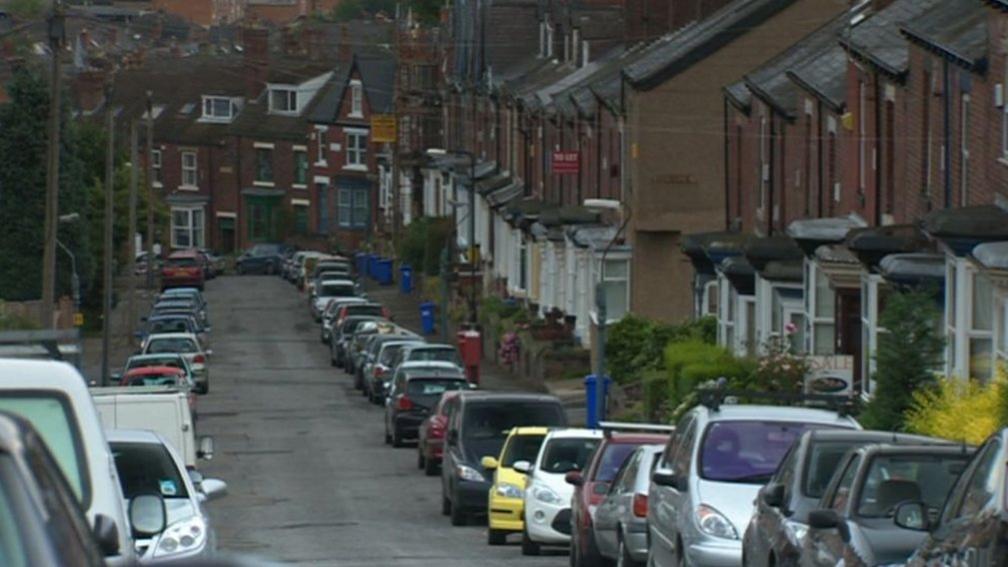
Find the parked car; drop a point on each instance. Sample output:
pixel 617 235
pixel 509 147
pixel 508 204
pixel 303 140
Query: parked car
pixel 190 292
pixel 620 526
pixel 329 290
pixel 548 496
pixel 341 336
pixel 854 523
pixel 178 303
pixel 360 308
pixel 292 265
pixel 477 427
pixel 260 259
pixel 183 268
pixel 148 464
pixel 189 346
pixel 53 397
pixel 378 373
pixel 505 504
pixel 973 524
pixel 217 262
pixel 592 485
pixel 167 322
pixel 360 339
pixel 328 320
pixel 780 521
pixel 162 376
pixel 429 352
pixel 712 469
pixel 172 359
pixel 141 263
pixel 412 396
pixel 42 520
pixel 430 437
pixel 209 270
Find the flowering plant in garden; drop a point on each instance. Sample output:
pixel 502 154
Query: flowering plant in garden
pixel 780 369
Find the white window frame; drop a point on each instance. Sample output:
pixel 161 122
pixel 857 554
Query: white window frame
pixel 813 318
pixel 156 166
pixel 212 116
pixel 307 174
pixel 356 157
pixel 871 285
pixel 291 108
pixel 606 278
pixel 190 172
pixel 356 99
pixel 196 235
pixel 972 275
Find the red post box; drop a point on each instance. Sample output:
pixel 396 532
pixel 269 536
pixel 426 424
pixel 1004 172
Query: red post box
pixel 471 349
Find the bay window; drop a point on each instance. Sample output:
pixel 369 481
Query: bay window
pixel 354 211
pixel 187 227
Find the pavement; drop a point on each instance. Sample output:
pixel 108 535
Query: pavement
pixel 310 478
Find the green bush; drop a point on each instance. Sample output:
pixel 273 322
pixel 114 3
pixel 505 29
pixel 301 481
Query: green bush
pixel 691 363
pixel 421 243
pixel 635 345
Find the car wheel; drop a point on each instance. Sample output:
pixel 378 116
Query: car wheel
pixel 240 269
pixel 623 558
pixel 396 437
pixel 586 553
pixel 496 537
pixel 430 467
pixel 458 517
pixel 681 559
pixel 445 505
pixel 528 547
pixel 388 438
pixel 332 359
pixel 269 269
pixel 420 462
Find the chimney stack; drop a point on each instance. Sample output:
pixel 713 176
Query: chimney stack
pixel 255 42
pixel 344 50
pixel 90 89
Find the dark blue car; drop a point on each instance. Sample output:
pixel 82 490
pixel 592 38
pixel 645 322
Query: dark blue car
pixel 261 259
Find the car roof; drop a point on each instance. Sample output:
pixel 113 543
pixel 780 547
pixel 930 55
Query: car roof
pixel 173 336
pixel 133 436
pixel 144 370
pixel 428 365
pixel 636 438
pixel 574 433
pixel 870 436
pixel 170 315
pixel 434 346
pixel 433 373
pixel 181 291
pixel 529 430
pixel 728 412
pixel 341 281
pixel 40 374
pixel 950 448
pixel 155 355
pixel 481 396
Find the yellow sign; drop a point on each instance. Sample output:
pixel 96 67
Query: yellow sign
pixel 78 319
pixel 383 128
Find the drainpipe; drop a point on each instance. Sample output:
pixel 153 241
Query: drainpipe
pixel 947 125
pixel 819 158
pixel 770 177
pixel 727 189
pixel 876 153
pixel 598 154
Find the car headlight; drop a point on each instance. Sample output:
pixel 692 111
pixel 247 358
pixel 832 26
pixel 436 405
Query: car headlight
pixel 796 531
pixel 508 490
pixel 713 523
pixel 181 537
pixel 546 495
pixel 469 473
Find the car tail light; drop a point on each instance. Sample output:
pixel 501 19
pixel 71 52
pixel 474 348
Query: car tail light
pixel 640 505
pixel 379 371
pixel 403 403
pixel 199 359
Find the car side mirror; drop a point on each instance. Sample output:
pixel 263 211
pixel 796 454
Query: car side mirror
pixel 912 516
pixel 206 448
pixel 147 515
pixel 201 388
pixel 670 479
pixel 773 495
pixel 211 489
pixel 828 520
pixel 116 376
pixel 574 478
pixel 106 534
pixel 523 467
pixel 195 476
pixel 490 463
pixel 208 352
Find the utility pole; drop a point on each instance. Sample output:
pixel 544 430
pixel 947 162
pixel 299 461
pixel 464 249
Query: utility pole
pixel 132 228
pixel 56 32
pixel 396 205
pixel 600 344
pixel 107 259
pixel 150 191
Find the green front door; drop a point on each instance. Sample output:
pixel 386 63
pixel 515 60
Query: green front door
pixel 263 214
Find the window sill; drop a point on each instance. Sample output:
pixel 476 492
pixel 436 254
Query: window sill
pixel 188 188
pixel 264 184
pixel 321 164
pixel 355 167
pixel 158 185
pixel 299 186
pixel 359 115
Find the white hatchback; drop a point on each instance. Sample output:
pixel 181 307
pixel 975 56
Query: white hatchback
pixel 548 494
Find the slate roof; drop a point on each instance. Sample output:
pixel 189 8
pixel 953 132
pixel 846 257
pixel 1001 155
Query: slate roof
pixel 878 40
pixel 957 29
pixel 255 119
pixel 680 50
pixel 824 76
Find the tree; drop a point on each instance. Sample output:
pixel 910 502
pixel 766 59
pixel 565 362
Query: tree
pixel 347 10
pixel 909 351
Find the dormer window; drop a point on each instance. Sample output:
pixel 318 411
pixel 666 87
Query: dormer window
pixel 219 108
pixel 356 99
pixel 283 100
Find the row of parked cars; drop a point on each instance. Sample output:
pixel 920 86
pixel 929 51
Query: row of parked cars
pixel 730 484
pixel 109 474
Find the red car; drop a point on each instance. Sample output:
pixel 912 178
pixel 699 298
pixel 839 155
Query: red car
pixel 160 376
pixel 184 268
pixel 430 442
pixel 590 490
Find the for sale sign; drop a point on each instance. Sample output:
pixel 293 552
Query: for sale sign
pixel 566 163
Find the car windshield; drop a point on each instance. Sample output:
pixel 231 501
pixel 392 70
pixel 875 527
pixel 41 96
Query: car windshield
pixel 823 460
pixel 153 380
pixel 169 326
pixel 147 468
pixel 336 290
pixel 389 353
pixel 612 459
pixel 894 479
pixel 52 418
pixel 495 420
pixel 433 386
pixel 747 451
pixel 173 361
pixel 364 310
pixel 522 448
pixel 564 455
pixel 435 354
pixel 263 250
pixel 171 345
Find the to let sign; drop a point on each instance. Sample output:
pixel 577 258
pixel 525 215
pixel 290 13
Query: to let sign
pixel 566 163
pixel 383 128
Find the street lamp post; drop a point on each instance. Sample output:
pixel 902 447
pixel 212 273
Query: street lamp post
pixel 74 278
pixel 438 152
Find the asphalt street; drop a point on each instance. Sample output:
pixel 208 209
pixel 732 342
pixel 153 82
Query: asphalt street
pixel 310 479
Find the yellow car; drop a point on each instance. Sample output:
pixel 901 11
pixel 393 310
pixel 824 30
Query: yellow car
pixel 505 508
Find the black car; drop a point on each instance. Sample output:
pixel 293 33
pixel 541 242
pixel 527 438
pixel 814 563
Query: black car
pixel 41 522
pixel 369 353
pixel 477 427
pixel 973 527
pixel 342 334
pixel 774 534
pixel 412 395
pixel 261 259
pixel 854 523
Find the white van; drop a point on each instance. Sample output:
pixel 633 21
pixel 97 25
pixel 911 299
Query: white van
pixel 53 397
pixel 162 409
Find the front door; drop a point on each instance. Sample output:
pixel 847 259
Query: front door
pixel 263 215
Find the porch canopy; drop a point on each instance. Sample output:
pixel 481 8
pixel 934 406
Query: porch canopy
pixel 502 196
pixel 493 182
pixel 871 245
pixel 706 250
pixel 993 260
pixel 914 270
pixel 597 238
pixel 569 215
pixel 810 234
pixel 839 264
pixel 776 258
pixel 739 273
pixel 962 229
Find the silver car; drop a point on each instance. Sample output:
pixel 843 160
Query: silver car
pixel 703 489
pixel 621 519
pixel 148 464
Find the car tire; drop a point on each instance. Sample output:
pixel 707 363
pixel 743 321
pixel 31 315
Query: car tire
pixel 586 553
pixel 397 441
pixel 430 467
pixel 681 559
pixel 420 461
pixel 388 438
pixel 528 547
pixel 269 269
pixel 332 361
pixel 496 537
pixel 445 505
pixel 240 269
pixel 623 558
pixel 458 517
